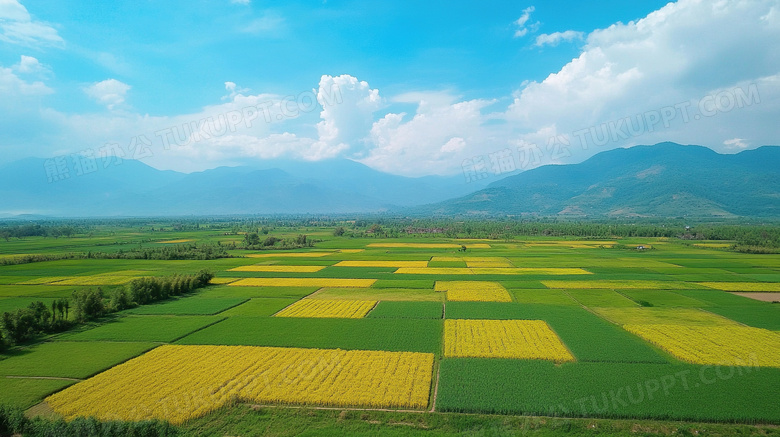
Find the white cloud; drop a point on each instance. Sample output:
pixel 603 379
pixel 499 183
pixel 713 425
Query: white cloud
pixel 110 92
pixel 434 141
pixel 233 90
pixel 348 107
pixel 17 26
pixel 13 85
pixel 241 2
pixel 736 144
pixel 454 145
pixel 523 25
pixel 555 38
pixel 677 55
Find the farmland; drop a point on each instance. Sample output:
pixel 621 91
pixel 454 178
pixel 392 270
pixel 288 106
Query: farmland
pixel 418 326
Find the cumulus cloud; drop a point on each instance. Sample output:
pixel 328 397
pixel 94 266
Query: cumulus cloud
pixel 13 85
pixel 110 92
pixel 435 139
pixel 17 26
pixel 555 38
pixel 31 65
pixel 348 107
pixel 524 25
pixel 677 55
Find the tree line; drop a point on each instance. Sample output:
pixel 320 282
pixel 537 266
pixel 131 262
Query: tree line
pixel 25 324
pixel 191 251
pixel 13 422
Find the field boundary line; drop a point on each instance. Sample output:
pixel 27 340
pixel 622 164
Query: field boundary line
pixel 196 330
pixel 311 407
pixel 55 378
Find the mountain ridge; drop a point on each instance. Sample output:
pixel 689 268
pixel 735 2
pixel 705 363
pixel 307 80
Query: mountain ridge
pixel 662 180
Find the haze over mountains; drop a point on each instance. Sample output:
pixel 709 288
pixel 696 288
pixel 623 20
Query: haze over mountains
pixel 665 180
pixel 133 188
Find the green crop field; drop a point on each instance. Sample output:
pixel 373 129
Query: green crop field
pixel 189 306
pixel 407 310
pixel 658 391
pixel 69 359
pixel 408 335
pixel 601 370
pixel 143 328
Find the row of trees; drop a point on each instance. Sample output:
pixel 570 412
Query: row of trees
pixel 25 324
pixel 14 422
pixel 745 235
pixel 174 252
pixel 36 230
pixel 252 241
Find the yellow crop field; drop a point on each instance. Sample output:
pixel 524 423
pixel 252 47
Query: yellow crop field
pixel 613 284
pixel 714 245
pixel 382 264
pixel 429 245
pixel 351 250
pixel 490 271
pixel 96 280
pixel 743 286
pixel 183 240
pixel 278 269
pixel 663 316
pixel 530 271
pixel 434 271
pixel 178 383
pixel 321 308
pixel 524 339
pixel 717 345
pixel 289 255
pixel 473 291
pixel 222 281
pixel 304 282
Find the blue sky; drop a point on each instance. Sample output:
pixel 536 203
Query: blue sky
pixel 420 87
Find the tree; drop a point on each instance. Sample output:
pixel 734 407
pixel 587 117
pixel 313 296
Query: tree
pixel 251 239
pixel 339 231
pixel 88 304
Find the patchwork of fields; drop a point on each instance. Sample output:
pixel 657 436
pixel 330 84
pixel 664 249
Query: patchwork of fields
pixel 546 326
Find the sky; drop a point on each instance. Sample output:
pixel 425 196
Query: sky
pixel 410 88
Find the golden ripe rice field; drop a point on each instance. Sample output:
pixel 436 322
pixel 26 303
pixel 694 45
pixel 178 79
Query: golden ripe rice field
pixel 491 271
pixel 321 308
pixel 395 264
pixel 278 269
pixel 178 383
pixel 289 255
pixel 304 282
pixel 523 339
pixel 473 291
pixel 743 286
pixel 714 345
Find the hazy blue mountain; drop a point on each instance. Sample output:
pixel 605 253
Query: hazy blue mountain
pixel 132 188
pixel 664 180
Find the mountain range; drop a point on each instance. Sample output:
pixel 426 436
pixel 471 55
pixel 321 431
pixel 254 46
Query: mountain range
pixel 663 180
pixel 33 186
